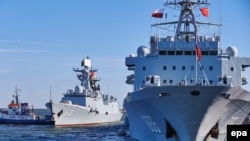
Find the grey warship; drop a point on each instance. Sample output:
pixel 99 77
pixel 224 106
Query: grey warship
pixel 87 105
pixel 186 87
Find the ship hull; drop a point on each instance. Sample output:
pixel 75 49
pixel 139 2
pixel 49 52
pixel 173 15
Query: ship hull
pixel 32 122
pixel 70 115
pixel 20 119
pixel 176 112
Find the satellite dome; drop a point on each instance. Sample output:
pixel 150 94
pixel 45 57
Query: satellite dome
pixel 78 89
pixel 232 51
pixel 142 51
pixel 132 55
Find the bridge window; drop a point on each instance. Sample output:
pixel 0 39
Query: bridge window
pixel 171 52
pixel 204 52
pixel 188 52
pixel 162 52
pixel 215 52
pixel 143 68
pixel 179 52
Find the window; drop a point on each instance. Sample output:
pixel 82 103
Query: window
pixel 162 52
pixel 179 52
pixel 170 81
pixel 174 67
pixel 183 68
pixel 164 67
pixel 188 52
pixel 204 52
pixel 211 81
pixel 204 81
pixel 171 52
pixel 232 68
pixel 143 68
pixel 201 68
pixel 211 68
pixel 164 81
pixel 214 52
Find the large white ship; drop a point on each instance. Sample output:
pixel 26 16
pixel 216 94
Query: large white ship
pixel 87 104
pixel 185 86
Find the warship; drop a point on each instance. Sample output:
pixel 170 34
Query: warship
pixel 186 87
pixel 86 105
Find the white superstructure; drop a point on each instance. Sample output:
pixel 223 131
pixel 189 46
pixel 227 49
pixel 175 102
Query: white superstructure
pixel 86 104
pixel 185 86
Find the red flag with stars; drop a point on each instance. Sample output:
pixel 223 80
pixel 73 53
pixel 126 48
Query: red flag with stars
pixel 198 52
pixel 204 11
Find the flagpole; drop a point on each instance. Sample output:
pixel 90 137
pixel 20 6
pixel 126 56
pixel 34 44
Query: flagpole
pixel 196 69
pixel 196 60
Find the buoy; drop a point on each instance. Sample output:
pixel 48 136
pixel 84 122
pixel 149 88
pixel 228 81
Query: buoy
pixel 121 132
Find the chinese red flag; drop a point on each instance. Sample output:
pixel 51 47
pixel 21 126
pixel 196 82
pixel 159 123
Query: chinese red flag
pixel 198 52
pixel 204 11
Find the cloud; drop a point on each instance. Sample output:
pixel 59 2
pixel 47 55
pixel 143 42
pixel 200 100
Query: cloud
pixel 20 42
pixel 110 60
pixel 5 70
pixel 28 43
pixel 20 51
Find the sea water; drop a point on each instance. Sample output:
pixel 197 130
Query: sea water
pixel 105 132
pixel 101 132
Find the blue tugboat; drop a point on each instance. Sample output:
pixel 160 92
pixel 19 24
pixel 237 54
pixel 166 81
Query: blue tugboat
pixel 21 113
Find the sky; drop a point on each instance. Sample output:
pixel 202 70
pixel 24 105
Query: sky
pixel 42 40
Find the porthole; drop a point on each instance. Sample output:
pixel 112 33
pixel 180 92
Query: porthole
pixel 195 93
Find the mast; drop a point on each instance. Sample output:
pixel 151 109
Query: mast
pixel 16 94
pixel 186 28
pixel 187 25
pixel 87 76
pixel 50 94
pixel 187 20
pixel 85 71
